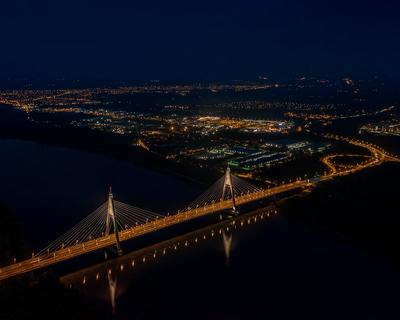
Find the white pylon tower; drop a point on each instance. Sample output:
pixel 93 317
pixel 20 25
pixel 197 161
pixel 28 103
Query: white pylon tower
pixel 111 219
pixel 228 185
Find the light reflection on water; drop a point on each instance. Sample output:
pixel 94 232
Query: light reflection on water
pixel 110 279
pixel 227 238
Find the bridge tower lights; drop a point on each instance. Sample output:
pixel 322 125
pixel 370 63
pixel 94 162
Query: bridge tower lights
pixel 111 219
pixel 228 186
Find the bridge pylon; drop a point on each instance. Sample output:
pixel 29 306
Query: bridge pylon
pixel 228 187
pixel 111 219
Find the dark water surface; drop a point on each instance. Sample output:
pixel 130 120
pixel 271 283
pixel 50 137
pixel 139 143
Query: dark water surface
pixel 270 269
pixel 276 269
pixel 51 188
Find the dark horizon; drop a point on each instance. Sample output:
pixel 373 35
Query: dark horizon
pixel 379 80
pixel 188 41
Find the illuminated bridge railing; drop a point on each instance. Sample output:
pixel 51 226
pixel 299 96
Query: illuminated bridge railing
pixel 73 251
pixel 115 222
pixel 47 258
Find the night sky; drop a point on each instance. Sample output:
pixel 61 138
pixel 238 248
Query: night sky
pixel 197 40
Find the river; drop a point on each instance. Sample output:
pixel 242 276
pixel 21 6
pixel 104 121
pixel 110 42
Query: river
pixel 258 264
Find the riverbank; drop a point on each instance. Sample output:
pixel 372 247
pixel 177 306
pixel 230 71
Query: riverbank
pixel 14 124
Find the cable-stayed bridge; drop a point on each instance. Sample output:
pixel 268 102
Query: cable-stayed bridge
pixel 115 222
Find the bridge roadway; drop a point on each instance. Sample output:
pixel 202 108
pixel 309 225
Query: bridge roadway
pixel 378 156
pixel 164 222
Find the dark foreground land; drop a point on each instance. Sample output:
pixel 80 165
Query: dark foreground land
pixel 361 209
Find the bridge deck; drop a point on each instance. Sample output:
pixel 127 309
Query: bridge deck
pixel 167 221
pixel 378 156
